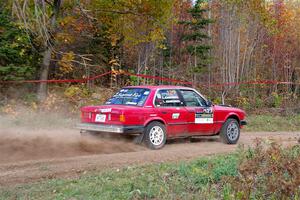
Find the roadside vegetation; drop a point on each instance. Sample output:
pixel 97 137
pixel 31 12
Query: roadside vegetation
pixel 273 122
pixel 266 171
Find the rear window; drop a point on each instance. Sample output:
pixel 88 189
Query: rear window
pixel 130 96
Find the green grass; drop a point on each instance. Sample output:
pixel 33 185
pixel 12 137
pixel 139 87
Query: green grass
pixel 273 123
pixel 184 180
pixel 244 174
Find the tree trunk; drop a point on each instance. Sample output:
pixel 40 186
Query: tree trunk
pixel 210 43
pixel 42 88
pixel 139 67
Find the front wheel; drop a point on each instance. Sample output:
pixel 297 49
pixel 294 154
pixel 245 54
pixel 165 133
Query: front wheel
pixel 155 135
pixel 230 131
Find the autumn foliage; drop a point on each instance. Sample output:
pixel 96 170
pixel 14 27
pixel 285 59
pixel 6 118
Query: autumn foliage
pixel 241 41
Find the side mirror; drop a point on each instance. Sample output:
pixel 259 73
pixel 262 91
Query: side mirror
pixel 209 103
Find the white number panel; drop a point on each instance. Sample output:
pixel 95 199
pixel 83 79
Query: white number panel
pixel 100 118
pixel 203 118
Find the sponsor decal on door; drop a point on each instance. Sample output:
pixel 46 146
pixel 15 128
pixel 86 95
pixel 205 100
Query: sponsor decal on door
pixel 175 115
pixel 204 118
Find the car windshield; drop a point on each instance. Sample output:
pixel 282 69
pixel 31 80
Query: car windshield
pixel 129 96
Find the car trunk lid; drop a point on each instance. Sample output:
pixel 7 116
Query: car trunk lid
pixel 105 114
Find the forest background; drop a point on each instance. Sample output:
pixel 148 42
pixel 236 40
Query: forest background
pixel 240 52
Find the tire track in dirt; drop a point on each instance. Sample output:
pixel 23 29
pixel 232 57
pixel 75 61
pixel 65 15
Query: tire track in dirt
pixel 68 157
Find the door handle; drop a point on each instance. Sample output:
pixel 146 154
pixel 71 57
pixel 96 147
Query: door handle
pixel 164 112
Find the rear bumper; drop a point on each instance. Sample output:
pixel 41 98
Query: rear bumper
pixel 243 122
pixel 110 128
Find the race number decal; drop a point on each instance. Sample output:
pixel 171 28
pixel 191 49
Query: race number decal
pixel 204 118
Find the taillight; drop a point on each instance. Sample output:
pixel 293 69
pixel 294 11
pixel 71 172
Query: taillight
pixel 122 118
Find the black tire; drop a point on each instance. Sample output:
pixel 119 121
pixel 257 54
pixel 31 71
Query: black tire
pixel 152 140
pixel 138 139
pixel 230 131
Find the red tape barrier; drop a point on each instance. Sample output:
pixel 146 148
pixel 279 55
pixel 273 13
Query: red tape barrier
pixel 150 77
pixel 261 82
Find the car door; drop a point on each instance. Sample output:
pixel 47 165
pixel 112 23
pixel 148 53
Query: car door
pixel 170 107
pixel 200 116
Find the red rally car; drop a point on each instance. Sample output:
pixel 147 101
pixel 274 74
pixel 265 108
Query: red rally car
pixel 158 113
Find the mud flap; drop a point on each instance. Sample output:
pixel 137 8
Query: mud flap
pixel 139 139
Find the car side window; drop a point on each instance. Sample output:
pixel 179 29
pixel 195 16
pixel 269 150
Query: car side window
pixel 192 99
pixel 167 98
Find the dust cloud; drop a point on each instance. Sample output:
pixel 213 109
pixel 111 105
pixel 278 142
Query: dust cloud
pixel 41 136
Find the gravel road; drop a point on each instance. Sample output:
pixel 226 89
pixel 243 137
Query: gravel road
pixel 34 155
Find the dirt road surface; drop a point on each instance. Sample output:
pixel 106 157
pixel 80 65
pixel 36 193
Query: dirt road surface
pixel 33 155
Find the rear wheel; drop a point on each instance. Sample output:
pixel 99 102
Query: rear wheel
pixel 155 135
pixel 230 131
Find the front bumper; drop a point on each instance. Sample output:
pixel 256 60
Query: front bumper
pixel 110 128
pixel 243 122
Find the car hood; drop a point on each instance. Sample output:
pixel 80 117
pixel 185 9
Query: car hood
pixel 228 108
